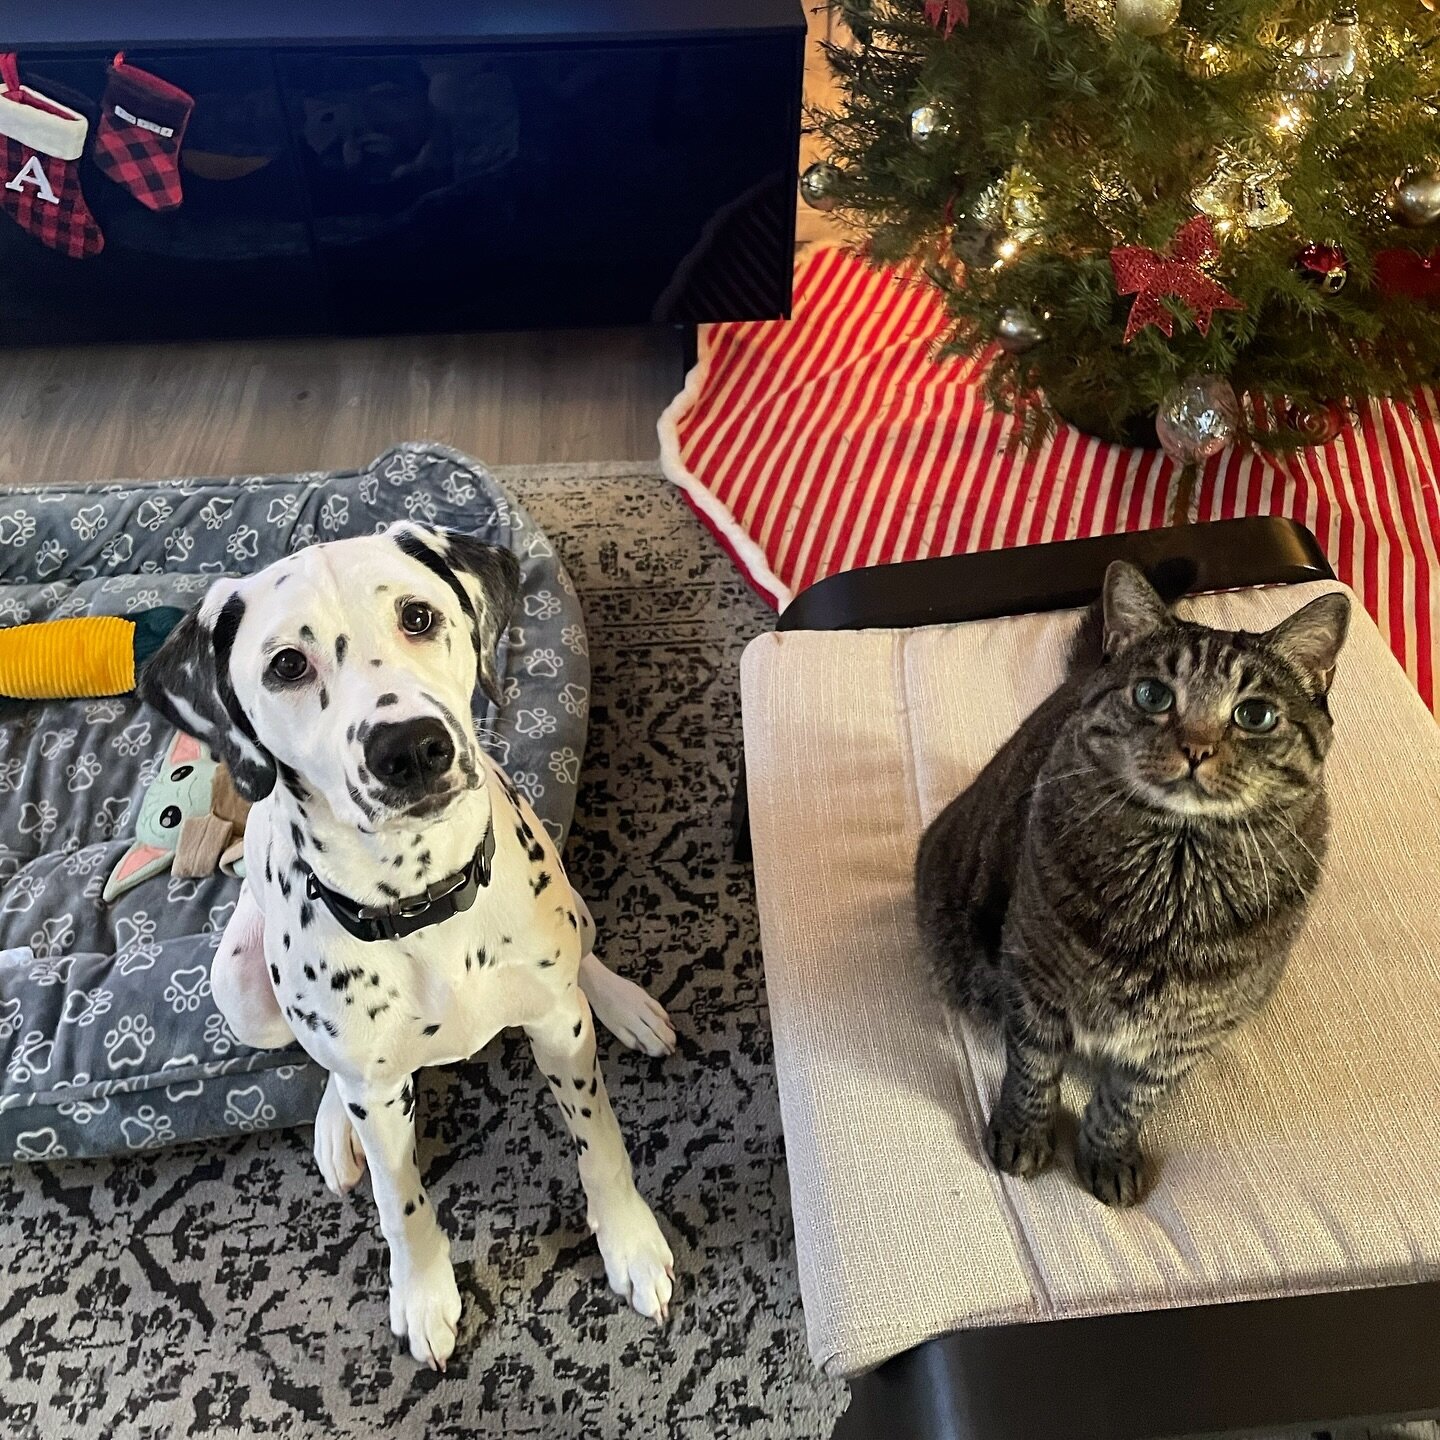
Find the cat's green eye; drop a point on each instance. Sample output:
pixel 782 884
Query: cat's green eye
pixel 1154 697
pixel 1256 716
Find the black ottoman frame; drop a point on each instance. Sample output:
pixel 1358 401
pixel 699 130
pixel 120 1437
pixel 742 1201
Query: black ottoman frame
pixel 1297 1364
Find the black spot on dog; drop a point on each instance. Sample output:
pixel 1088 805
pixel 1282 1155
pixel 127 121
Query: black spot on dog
pixel 340 980
pixel 307 914
pixel 342 644
pixel 578 1084
pixel 388 698
pixel 285 939
pixel 324 698
pixel 570 916
pixel 275 976
pixel 540 881
pixel 376 664
pixel 420 1199
pixel 430 1029
pixel 407 1097
pixel 269 873
pixel 307 634
pixel 297 836
pixel 373 1010
pixel 280 580
pixel 581 1144
pixel 595 1080
pixel 505 940
pixel 330 1028
pixel 417 840
pixel 285 886
pixel 579 1026
pixel 374 978
pixel 422 860
pixel 409 1207
pixel 536 852
pixel 585 1111
pixel 547 964
pixel 397 862
pixel 481 958
pixel 358 1111
pixel 309 972
pixel 350 735
pixel 318 843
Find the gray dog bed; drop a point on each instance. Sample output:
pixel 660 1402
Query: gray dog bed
pixel 109 1038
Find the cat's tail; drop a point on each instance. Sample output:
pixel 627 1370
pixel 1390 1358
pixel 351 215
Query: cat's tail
pixel 1087 649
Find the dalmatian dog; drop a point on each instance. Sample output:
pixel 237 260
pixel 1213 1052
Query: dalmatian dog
pixel 402 903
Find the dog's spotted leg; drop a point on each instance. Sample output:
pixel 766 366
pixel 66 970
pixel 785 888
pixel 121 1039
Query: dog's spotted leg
pixel 424 1303
pixel 638 1262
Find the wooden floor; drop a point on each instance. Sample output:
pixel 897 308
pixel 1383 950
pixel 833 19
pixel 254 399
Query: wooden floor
pixel 142 412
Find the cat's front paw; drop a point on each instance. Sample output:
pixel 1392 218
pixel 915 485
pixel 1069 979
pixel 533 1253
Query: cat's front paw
pixel 1019 1146
pixel 1114 1177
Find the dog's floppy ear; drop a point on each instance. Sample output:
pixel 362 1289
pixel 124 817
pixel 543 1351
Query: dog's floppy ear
pixel 188 681
pixel 485 579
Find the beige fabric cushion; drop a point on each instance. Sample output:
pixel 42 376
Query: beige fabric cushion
pixel 1304 1157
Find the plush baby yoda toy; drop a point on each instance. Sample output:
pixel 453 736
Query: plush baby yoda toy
pixel 191 821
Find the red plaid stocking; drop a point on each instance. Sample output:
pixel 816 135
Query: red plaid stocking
pixel 137 143
pixel 40 143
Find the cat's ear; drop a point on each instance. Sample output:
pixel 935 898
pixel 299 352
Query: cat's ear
pixel 1133 608
pixel 1311 639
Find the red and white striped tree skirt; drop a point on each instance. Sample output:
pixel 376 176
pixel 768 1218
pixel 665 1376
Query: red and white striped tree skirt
pixel 835 440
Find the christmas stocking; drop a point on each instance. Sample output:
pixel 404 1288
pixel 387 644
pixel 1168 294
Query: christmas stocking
pixel 40 143
pixel 137 143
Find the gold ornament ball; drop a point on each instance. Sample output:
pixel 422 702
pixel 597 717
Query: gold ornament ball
pixel 1416 200
pixel 1146 17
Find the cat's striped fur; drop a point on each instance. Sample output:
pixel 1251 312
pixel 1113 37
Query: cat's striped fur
pixel 1126 880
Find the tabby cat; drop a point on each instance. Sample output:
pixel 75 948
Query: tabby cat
pixel 1126 877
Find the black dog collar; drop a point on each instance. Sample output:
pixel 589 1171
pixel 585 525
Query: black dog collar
pixel 450 895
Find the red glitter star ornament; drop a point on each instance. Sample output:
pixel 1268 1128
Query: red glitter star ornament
pixel 947 13
pixel 1150 276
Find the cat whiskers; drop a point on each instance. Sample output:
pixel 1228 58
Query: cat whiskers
pixel 1259 855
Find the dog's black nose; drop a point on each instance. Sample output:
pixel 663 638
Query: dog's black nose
pixel 410 754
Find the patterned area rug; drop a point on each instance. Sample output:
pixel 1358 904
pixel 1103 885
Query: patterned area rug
pixel 218 1289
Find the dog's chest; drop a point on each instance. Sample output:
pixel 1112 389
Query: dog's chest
pixel 435 996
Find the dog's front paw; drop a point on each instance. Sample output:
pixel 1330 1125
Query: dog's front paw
pixel 1117 1177
pixel 425 1308
pixel 638 1262
pixel 1017 1146
pixel 633 1016
pixel 337 1147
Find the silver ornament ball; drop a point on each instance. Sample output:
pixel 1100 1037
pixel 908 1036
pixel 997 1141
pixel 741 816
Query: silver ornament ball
pixel 820 185
pixel 1416 200
pixel 1198 418
pixel 925 124
pixel 1016 331
pixel 1146 17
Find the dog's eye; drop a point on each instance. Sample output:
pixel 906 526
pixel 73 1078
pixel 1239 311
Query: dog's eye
pixel 289 665
pixel 416 617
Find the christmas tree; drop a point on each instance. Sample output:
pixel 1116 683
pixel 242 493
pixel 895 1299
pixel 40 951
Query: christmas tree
pixel 1146 202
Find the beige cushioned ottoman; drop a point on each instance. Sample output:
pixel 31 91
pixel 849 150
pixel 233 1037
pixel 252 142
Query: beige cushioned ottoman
pixel 1305 1157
